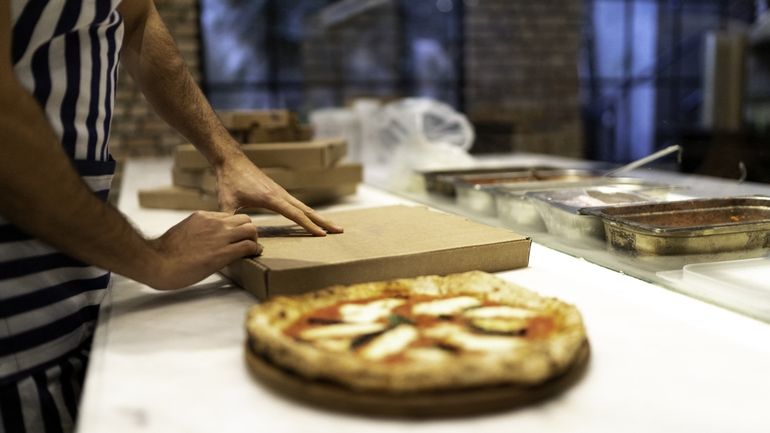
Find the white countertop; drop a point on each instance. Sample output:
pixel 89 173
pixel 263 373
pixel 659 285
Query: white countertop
pixel 173 361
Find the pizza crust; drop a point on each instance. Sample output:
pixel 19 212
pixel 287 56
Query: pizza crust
pixel 530 363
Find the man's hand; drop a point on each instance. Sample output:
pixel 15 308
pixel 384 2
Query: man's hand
pixel 150 55
pixel 242 184
pixel 202 244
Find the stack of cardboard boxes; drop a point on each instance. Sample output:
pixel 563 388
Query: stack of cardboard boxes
pixel 311 170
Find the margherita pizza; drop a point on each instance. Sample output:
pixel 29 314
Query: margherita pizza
pixel 425 334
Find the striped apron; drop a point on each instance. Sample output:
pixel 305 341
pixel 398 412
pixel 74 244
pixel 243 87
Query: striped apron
pixel 65 54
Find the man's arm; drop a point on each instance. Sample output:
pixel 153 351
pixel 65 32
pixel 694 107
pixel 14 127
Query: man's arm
pixel 43 195
pixel 153 60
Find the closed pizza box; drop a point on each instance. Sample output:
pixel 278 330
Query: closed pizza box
pixel 265 126
pixel 294 155
pixel 265 119
pixel 342 174
pixel 187 178
pixel 179 198
pixel 277 135
pixel 378 244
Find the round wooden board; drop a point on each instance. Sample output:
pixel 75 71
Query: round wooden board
pixel 420 405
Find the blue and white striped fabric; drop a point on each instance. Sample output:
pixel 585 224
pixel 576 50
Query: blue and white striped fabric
pixel 65 53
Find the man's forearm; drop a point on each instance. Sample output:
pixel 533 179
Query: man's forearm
pixel 153 60
pixel 43 194
pixel 151 56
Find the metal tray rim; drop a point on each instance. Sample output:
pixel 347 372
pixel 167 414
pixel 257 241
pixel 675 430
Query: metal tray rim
pixel 650 229
pixel 589 210
pixel 460 182
pixel 516 191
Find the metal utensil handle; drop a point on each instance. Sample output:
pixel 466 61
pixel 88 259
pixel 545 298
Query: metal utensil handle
pixel 646 160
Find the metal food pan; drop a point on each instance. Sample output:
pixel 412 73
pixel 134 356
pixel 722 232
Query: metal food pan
pixel 564 211
pixel 516 210
pixel 698 226
pixel 477 193
pixel 443 181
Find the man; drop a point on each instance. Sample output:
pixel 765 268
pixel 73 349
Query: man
pixel 58 238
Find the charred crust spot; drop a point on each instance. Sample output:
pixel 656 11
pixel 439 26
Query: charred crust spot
pixel 363 339
pixel 447 347
pixel 517 333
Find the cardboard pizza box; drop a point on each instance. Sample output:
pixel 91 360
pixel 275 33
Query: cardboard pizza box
pixel 264 126
pixel 305 132
pixel 295 155
pixel 187 178
pixel 342 174
pixel 243 120
pixel 261 135
pixel 179 198
pixel 378 244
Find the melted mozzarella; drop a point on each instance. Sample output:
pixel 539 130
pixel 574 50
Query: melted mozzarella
pixel 502 311
pixel 441 331
pixel 484 343
pixel 445 306
pixel 390 343
pixel 371 312
pixel 334 344
pixel 496 324
pixel 340 330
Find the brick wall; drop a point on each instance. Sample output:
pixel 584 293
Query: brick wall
pixel 363 49
pixel 521 72
pixel 136 130
pixel 521 83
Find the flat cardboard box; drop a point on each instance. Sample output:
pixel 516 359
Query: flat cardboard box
pixel 342 174
pixel 261 135
pixel 179 198
pixel 294 155
pixel 264 126
pixel 187 178
pixel 378 244
pixel 243 120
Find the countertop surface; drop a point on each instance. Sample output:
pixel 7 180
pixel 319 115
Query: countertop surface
pixel 661 361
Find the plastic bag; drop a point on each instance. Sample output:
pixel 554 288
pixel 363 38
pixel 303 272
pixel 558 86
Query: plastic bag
pixel 421 134
pixel 338 123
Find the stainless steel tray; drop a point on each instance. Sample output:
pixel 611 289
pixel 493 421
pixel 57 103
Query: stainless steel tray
pixel 699 226
pixel 516 210
pixel 443 181
pixel 564 211
pixel 477 193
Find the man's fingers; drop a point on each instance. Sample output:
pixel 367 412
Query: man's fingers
pixel 242 232
pixel 212 214
pixel 317 219
pixel 237 220
pixel 291 212
pixel 245 248
pixel 329 226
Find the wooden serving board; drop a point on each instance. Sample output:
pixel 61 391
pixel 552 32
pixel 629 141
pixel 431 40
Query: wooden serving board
pixel 415 405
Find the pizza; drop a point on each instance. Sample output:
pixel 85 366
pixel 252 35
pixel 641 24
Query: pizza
pixel 424 334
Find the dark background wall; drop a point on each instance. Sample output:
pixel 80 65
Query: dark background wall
pixel 604 79
pixel 136 129
pixel 521 73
